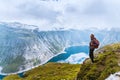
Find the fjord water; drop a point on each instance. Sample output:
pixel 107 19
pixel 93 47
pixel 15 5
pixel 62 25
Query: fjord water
pixel 70 51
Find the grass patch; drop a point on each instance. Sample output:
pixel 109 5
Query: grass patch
pixel 50 71
pixel 106 63
pixel 13 77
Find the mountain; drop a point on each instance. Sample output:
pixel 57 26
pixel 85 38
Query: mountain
pixel 23 46
pixel 112 36
pixel 23 49
pixel 107 62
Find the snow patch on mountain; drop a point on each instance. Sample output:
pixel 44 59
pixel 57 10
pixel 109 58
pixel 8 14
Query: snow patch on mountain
pixel 77 58
pixel 115 76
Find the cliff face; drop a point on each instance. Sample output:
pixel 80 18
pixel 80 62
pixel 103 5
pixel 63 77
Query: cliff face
pixel 107 61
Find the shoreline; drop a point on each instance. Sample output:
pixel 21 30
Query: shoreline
pixel 61 52
pixel 5 74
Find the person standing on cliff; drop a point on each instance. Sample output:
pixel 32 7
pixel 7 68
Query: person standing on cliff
pixel 94 43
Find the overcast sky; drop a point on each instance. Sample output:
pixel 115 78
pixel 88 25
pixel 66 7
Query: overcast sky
pixel 80 14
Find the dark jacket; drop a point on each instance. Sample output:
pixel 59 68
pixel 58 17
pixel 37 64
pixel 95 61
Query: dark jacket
pixel 92 43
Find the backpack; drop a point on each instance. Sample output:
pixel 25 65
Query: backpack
pixel 96 43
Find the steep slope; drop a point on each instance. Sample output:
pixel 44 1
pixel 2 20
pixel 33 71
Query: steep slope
pixel 22 49
pixel 106 63
pixel 49 71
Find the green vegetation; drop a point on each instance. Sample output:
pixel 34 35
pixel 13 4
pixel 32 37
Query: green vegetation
pixel 13 77
pixel 50 71
pixel 106 63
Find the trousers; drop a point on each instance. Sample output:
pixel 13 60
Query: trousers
pixel 91 55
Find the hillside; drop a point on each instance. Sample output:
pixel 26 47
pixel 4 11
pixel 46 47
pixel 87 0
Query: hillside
pixel 49 71
pixel 107 61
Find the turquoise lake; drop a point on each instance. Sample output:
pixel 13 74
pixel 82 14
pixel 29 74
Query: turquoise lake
pixel 70 51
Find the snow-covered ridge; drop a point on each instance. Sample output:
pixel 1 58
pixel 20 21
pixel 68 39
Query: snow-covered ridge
pixel 30 27
pixel 34 27
pixel 19 25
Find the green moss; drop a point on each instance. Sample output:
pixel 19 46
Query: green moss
pixel 52 71
pixel 12 77
pixel 106 63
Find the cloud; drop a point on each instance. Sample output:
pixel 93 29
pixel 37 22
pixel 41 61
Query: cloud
pixel 76 58
pixel 84 14
pixel 113 12
pixel 77 14
pixel 38 11
pixel 96 8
